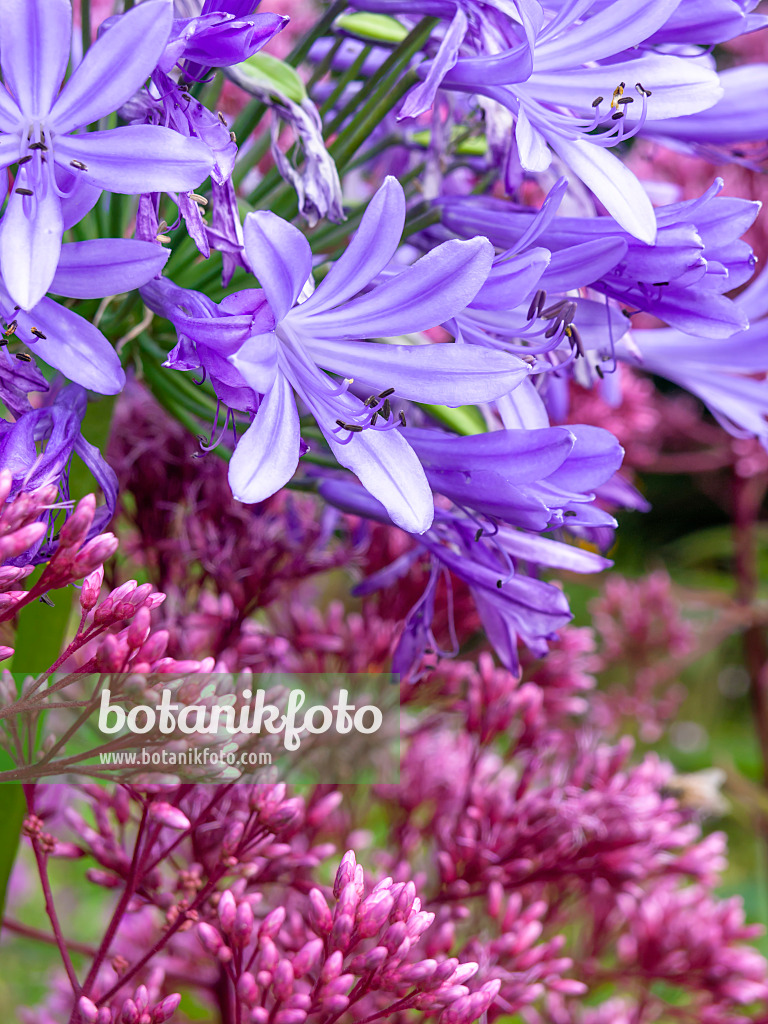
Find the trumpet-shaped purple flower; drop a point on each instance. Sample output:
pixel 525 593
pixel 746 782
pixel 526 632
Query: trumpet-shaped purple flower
pixel 697 256
pixel 37 450
pixel 499 567
pixel 280 349
pixel 38 125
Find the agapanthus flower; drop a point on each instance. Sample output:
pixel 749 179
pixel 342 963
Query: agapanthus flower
pixel 572 91
pixel 729 377
pixel 498 564
pixel 37 450
pixel 279 340
pixel 37 123
pixel 682 278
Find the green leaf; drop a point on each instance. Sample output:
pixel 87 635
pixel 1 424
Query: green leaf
pixel 467 419
pixel 372 28
pixel 474 146
pixel 274 76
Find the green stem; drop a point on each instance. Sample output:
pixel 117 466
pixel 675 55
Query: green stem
pixel 85 19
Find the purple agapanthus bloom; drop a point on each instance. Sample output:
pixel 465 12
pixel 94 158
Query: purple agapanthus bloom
pixel 682 279
pixel 67 341
pixel 281 339
pixel 574 86
pixel 38 128
pixel 730 377
pixel 38 448
pixel 499 567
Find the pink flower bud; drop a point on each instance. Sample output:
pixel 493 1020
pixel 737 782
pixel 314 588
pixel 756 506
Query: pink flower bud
pixel 282 980
pixel 373 913
pixel 93 554
pixel 129 1013
pixel 111 655
pixel 268 957
pixel 346 872
pixel 290 1016
pixel 243 926
pixel 139 629
pixel 155 646
pixel 320 917
pixel 105 1016
pixel 341 934
pixel 165 1010
pixel 6 652
pixel 89 594
pixel 89 1011
pixel 369 961
pixel 234 832
pixel 308 957
pixel 142 998
pixel 170 816
pixel 75 529
pixel 349 901
pixel 334 1005
pixel 227 909
pixel 272 923
pixel 259 1015
pixel 209 938
pixel 247 989
pixel 20 540
pixel 332 966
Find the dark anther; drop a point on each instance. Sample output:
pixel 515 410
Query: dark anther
pixel 24 357
pixel 627 314
pixel 386 411
pixel 553 328
pixel 221 118
pixel 200 200
pixel 575 337
pixel 642 90
pixel 38 334
pixel 233 137
pixel 569 512
pixel 479 533
pixel 24 159
pixel 569 312
pixel 38 145
pixel 599 372
pixel 622 85
pixel 499 584
pixel 370 400
pixel 402 418
pixel 660 284
pixel 387 393
pixel 536 304
pixel 78 165
pixel 597 101
pixel 553 310
pixel 374 418
pixel 624 99
pixel 617 116
pixel 24 192
pixel 340 423
pixel 738 153
pixel 354 427
pixel 11 328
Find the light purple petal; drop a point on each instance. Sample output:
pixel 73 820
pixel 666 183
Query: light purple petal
pixel 279 256
pixel 11 118
pixel 30 243
pixel 106 266
pixel 421 98
pixel 430 292
pixel 115 66
pixel 257 362
pixel 267 454
pixel 532 147
pixel 446 374
pixel 617 27
pixel 371 249
pixel 387 467
pixel 75 347
pixel 613 183
pixel 138 158
pixel 34 50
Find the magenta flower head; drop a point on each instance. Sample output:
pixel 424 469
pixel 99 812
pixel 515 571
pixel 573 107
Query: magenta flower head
pixel 38 125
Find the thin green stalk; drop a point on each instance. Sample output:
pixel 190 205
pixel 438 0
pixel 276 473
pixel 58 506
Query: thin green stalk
pixel 85 20
pixel 348 76
pixel 299 53
pixel 251 156
pixel 324 66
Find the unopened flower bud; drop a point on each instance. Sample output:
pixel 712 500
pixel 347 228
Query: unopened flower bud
pixel 227 909
pixel 282 980
pixel 170 816
pixel 320 917
pixel 165 1010
pixel 89 1011
pixel 209 938
pixel 129 1013
pixel 308 957
pixel 243 926
pixel 346 872
pixel 247 989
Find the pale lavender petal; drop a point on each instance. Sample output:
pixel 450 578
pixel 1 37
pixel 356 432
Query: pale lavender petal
pixel 106 266
pixel 387 467
pixel 613 183
pixel 30 243
pixel 34 50
pixel 256 361
pixel 138 158
pixel 372 247
pixel 267 454
pixel 75 347
pixel 421 98
pixel 11 118
pixel 447 374
pixel 617 27
pixel 279 256
pixel 430 292
pixel 115 66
